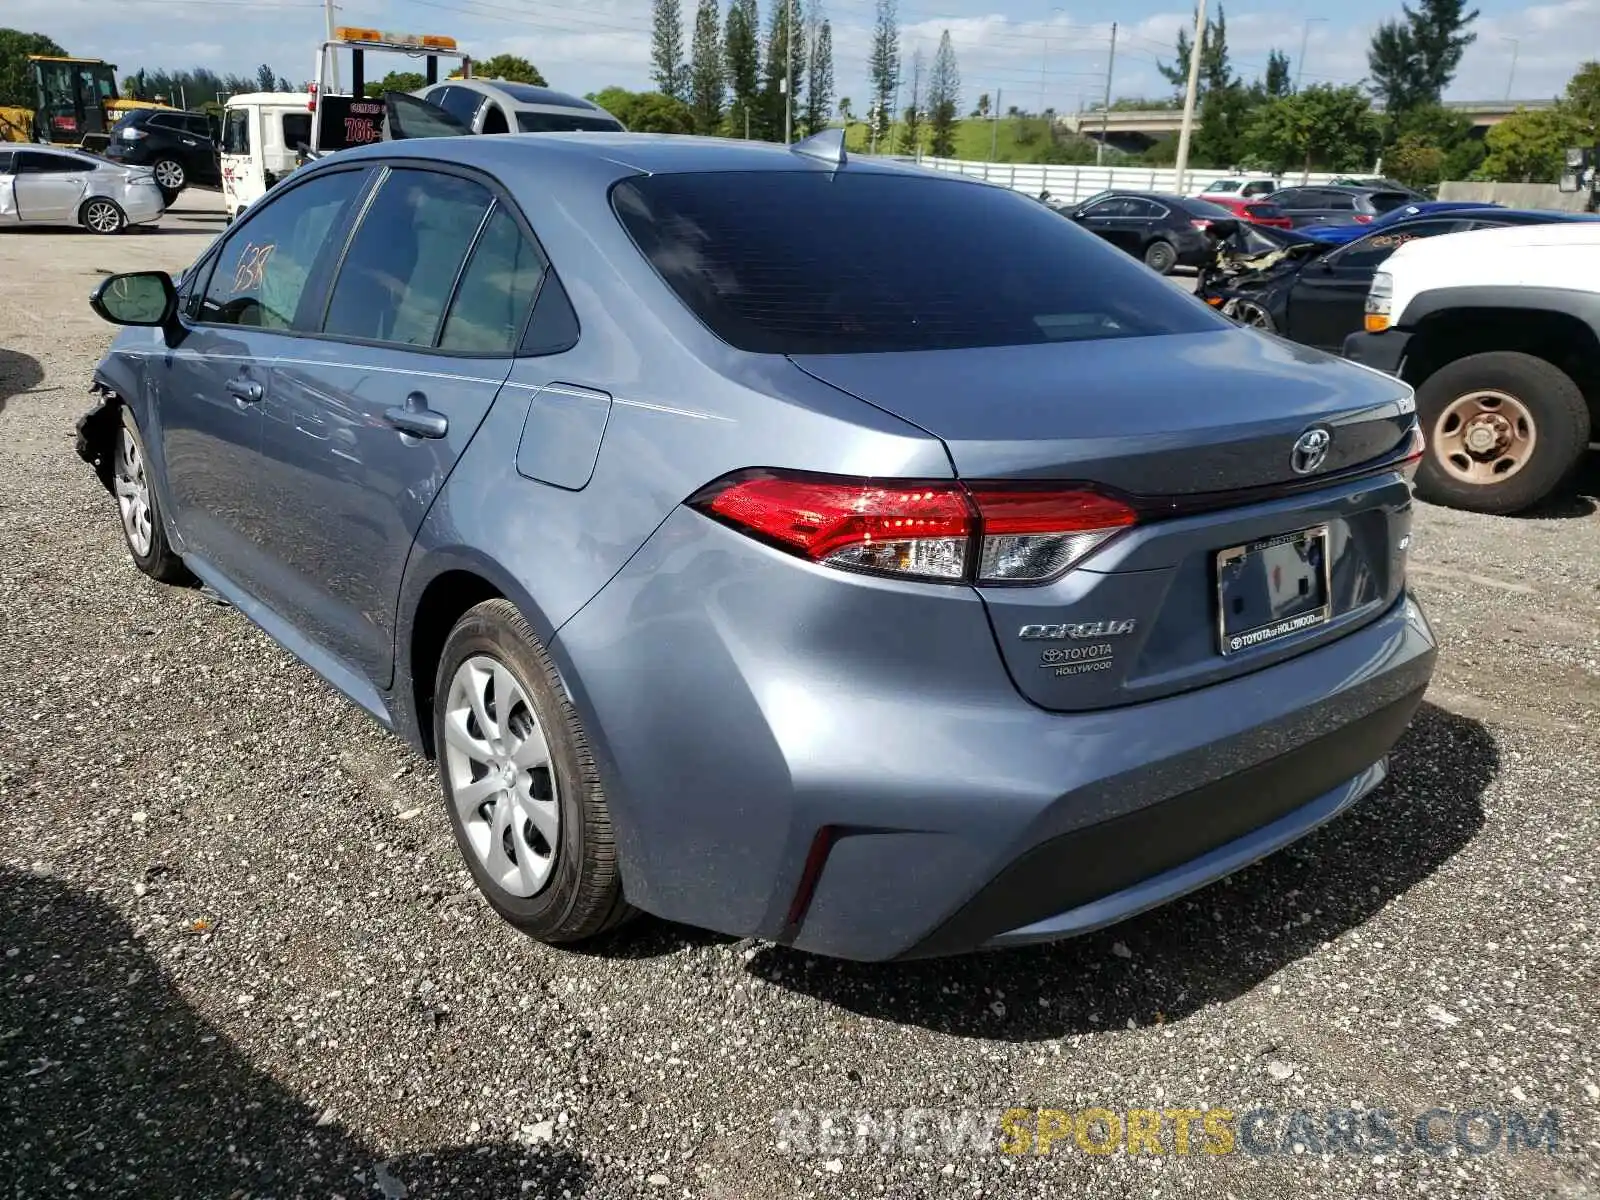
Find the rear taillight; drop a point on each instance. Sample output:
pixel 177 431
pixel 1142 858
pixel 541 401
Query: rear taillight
pixel 937 530
pixel 1415 449
pixel 1200 223
pixel 1363 219
pixel 133 134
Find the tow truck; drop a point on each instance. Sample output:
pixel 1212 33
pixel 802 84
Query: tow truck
pixel 341 120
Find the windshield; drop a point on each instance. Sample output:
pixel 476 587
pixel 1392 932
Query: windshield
pixel 1224 185
pixel 817 262
pixel 556 122
pixel 236 132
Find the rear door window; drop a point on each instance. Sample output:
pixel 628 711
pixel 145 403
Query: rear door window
pixel 7 159
pixel 1388 201
pixel 401 267
pixel 497 289
pixel 909 262
pixel 41 162
pixel 1338 201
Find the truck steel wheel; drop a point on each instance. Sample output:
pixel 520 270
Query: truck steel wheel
pixel 141 510
pixel 1504 430
pixel 520 785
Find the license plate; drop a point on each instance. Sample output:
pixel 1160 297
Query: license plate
pixel 1270 589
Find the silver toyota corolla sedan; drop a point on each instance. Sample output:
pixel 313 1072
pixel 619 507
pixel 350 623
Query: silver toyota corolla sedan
pixel 809 548
pixel 46 185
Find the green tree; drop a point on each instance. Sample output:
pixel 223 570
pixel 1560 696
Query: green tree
pixel 646 112
pixel 666 49
pixel 16 77
pixel 1529 145
pixel 395 81
pixel 265 78
pixel 944 99
pixel 911 120
pixel 883 66
pixel 1276 83
pixel 510 67
pixel 785 61
pixel 819 80
pixel 1225 116
pixel 1215 70
pixel 706 85
pixel 1322 126
pixel 846 110
pixel 1412 60
pixel 1414 161
pixel 742 59
pixel 1583 99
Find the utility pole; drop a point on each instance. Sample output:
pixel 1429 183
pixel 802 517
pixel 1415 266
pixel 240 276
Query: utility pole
pixel 1196 49
pixel 788 70
pixel 1105 109
pixel 333 68
pixel 1305 36
pixel 1512 75
pixel 994 128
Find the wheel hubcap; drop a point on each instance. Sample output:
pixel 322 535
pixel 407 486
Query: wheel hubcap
pixel 133 495
pixel 1484 437
pixel 102 217
pixel 502 782
pixel 169 175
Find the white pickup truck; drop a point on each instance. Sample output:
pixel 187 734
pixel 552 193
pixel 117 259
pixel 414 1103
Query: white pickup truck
pixel 1499 332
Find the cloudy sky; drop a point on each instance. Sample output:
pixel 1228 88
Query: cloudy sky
pixel 1029 50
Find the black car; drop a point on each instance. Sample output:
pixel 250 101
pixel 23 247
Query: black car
pixel 1310 292
pixel 180 147
pixel 1331 204
pixel 1165 231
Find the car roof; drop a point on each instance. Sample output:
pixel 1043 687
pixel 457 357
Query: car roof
pixel 525 94
pixel 270 100
pixel 617 155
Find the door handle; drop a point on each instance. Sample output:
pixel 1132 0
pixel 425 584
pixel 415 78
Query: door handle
pixel 247 390
pixel 416 418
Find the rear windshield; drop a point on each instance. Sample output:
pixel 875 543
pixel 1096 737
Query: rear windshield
pixel 1387 201
pixel 554 122
pixel 809 262
pixel 1208 210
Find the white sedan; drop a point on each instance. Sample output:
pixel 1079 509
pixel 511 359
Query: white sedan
pixel 46 185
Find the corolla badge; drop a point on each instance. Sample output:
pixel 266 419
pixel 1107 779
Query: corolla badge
pixel 1310 450
pixel 1081 629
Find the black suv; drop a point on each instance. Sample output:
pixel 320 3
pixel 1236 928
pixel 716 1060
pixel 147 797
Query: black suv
pixel 179 146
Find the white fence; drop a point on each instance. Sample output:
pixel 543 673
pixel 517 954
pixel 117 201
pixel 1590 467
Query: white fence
pixel 1075 183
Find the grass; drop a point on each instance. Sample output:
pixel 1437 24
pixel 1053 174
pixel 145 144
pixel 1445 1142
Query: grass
pixel 1008 140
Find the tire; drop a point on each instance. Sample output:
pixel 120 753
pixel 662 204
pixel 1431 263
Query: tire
pixel 140 509
pixel 1251 315
pixel 171 178
pixel 1160 256
pixel 1500 394
pixel 99 215
pixel 574 891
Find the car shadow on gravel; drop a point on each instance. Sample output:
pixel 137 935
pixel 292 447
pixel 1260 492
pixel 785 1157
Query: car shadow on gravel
pixel 1580 497
pixel 1209 947
pixel 111 1084
pixel 18 373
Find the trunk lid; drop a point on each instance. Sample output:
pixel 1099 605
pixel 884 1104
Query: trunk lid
pixel 1209 423
pixel 1171 415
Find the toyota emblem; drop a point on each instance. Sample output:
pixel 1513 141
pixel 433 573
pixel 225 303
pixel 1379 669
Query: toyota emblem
pixel 1310 449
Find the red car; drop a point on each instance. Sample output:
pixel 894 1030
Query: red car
pixel 1253 209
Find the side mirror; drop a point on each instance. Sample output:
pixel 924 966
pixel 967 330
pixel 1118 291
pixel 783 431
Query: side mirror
pixel 137 298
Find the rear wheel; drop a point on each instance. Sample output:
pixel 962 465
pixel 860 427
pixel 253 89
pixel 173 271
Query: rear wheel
pixel 1504 430
pixel 103 216
pixel 1160 257
pixel 170 177
pixel 520 785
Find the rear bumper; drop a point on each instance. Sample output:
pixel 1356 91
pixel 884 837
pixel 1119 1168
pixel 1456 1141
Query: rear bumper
pixel 143 203
pixel 1381 351
pixel 751 714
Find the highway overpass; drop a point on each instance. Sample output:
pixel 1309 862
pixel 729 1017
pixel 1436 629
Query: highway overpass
pixel 1136 130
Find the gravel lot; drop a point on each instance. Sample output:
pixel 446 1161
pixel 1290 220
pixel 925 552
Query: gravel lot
pixel 240 957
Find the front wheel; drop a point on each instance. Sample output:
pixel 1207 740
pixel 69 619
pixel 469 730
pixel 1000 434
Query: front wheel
pixel 103 216
pixel 520 785
pixel 140 509
pixel 1504 430
pixel 1160 257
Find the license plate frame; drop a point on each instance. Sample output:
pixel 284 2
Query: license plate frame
pixel 1304 551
